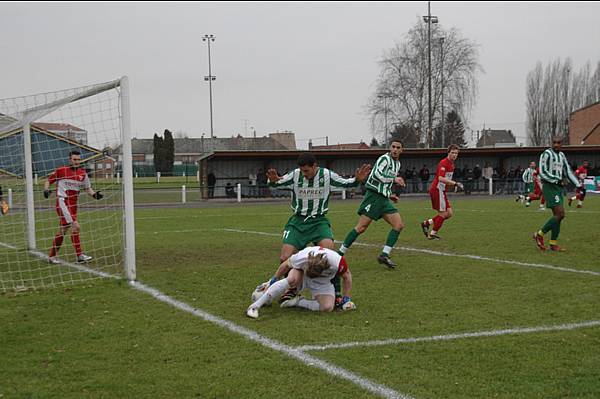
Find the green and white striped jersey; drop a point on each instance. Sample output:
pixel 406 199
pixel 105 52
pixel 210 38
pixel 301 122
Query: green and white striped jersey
pixel 310 197
pixel 554 166
pixel 383 174
pixel 528 175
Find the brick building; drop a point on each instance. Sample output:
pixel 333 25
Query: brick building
pixel 584 125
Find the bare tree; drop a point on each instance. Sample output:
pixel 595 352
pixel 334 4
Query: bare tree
pixel 553 93
pixel 401 89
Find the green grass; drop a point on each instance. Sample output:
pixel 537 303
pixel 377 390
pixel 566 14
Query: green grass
pixel 105 340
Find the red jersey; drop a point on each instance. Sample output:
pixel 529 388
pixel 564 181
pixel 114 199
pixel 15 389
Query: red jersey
pixel 581 173
pixel 69 182
pixel 444 169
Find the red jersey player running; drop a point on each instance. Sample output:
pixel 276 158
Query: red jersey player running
pixel 581 174
pixel 437 192
pixel 69 181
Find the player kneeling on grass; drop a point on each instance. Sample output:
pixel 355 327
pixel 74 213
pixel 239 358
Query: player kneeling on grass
pixel 312 269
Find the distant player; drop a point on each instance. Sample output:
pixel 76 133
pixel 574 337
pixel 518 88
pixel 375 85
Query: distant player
pixel 581 173
pixel 553 167
pixel 69 181
pixel 313 268
pixel 377 203
pixel 437 192
pixel 536 193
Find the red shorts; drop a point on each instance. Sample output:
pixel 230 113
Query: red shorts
pixel 439 201
pixel 66 210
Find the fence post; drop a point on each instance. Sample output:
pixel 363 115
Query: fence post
pixel 344 194
pixel 183 194
pixel 158 177
pixel 491 186
pixel 239 192
pixel 10 199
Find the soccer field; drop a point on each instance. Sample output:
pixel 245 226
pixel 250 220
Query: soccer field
pixel 481 313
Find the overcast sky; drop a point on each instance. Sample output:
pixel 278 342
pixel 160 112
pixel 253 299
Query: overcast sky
pixel 305 67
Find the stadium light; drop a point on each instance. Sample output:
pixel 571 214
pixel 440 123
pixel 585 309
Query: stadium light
pixel 441 40
pixel 385 135
pixel 210 78
pixel 430 19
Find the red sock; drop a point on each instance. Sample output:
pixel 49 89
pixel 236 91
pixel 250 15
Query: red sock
pixel 58 239
pixel 76 243
pixel 438 221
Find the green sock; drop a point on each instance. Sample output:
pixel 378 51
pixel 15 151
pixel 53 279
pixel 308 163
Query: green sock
pixel 555 231
pixel 392 238
pixel 549 225
pixel 352 235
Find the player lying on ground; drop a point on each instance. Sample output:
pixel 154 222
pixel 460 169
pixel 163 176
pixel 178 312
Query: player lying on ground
pixel 312 269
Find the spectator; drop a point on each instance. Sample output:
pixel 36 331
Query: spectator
pixel 229 191
pixel 261 181
pixel 415 182
pixel 424 175
pixel 476 178
pixel 211 180
pixel 469 176
pixel 408 176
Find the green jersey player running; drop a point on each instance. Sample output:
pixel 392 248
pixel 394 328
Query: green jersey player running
pixel 377 203
pixel 553 167
pixel 311 188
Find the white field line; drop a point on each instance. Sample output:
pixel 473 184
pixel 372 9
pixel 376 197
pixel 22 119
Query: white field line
pixel 76 266
pixel 450 254
pixel 311 361
pixel 449 337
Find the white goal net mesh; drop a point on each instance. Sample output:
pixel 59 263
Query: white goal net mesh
pixel 86 120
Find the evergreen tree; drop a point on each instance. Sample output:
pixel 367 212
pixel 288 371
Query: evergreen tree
pixel 408 135
pixel 158 153
pixel 454 132
pixel 169 151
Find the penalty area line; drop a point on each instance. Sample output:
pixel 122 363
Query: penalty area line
pixel 450 337
pixel 309 360
pixel 450 254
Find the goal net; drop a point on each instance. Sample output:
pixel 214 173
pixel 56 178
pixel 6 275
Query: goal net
pixel 39 243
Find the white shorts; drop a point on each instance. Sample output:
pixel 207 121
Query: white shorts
pixel 318 286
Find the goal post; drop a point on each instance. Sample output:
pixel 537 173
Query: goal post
pixel 37 135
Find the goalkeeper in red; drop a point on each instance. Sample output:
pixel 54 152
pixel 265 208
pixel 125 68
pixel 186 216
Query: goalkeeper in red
pixel 437 192
pixel 553 168
pixel 581 174
pixel 69 181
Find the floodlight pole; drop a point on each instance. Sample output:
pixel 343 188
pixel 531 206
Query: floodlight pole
pixel 210 78
pixel 429 19
pixel 443 116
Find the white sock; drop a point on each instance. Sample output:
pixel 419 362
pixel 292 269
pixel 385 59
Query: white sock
pixel 309 304
pixel 387 250
pixel 343 249
pixel 273 291
pixel 433 232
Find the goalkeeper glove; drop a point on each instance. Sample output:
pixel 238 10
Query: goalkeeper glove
pixel 98 195
pixel 46 193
